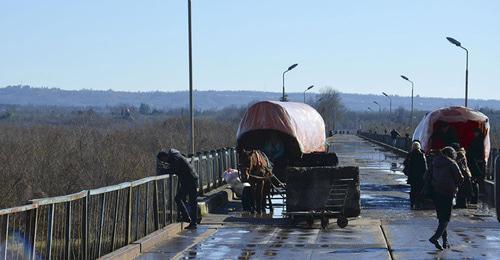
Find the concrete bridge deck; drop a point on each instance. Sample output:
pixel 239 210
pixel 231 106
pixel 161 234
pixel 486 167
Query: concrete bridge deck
pixel 387 228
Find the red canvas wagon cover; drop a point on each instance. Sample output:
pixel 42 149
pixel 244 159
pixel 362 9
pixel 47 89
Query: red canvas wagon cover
pixel 298 120
pixel 463 120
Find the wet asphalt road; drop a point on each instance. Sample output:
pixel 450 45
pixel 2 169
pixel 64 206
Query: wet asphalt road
pixel 387 228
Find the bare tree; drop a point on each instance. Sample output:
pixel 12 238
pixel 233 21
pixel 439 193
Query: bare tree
pixel 329 105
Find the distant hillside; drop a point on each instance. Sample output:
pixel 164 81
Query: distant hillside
pixel 204 100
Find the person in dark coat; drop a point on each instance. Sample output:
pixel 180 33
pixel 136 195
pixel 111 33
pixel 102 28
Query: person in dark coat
pixel 394 135
pixel 446 178
pixel 477 164
pixel 415 168
pixel 464 193
pixel 188 184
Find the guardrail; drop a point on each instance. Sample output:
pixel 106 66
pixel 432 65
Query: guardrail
pixel 92 223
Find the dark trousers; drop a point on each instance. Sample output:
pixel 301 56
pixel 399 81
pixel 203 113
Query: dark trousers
pixel 475 191
pixel 187 206
pixel 464 193
pixel 415 190
pixel 478 168
pixel 443 204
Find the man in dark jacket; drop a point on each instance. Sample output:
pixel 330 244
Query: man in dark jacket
pixel 446 178
pixel 415 168
pixel 188 184
pixel 477 164
pixel 465 190
pixel 394 135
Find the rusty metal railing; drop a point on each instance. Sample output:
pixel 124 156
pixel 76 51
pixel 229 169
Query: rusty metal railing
pixel 92 223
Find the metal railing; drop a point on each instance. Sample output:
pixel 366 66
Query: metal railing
pixel 404 143
pixel 92 223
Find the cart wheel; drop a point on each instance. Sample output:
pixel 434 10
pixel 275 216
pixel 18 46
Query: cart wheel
pixel 342 222
pixel 324 222
pixel 310 221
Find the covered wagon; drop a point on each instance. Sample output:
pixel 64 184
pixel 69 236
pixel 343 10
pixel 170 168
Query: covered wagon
pixel 289 133
pixel 293 137
pixel 462 125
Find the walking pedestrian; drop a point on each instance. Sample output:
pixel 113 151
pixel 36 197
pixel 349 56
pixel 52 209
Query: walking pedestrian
pixel 415 166
pixel 446 178
pixel 394 135
pixel 477 164
pixel 187 193
pixel 464 193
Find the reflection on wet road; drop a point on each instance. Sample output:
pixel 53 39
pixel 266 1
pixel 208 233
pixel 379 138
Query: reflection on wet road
pixel 386 219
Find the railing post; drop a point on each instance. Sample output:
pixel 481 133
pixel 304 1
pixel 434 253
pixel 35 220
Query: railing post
pixel 68 229
pixel 115 220
pixel 220 160
pixel 497 186
pixel 206 166
pixel 146 213
pixel 5 237
pixel 224 156
pixel 30 233
pixel 215 165
pixel 129 216
pixel 33 229
pixel 171 197
pixel 85 227
pixel 235 158
pixel 101 223
pixel 155 205
pixel 50 230
pixel 200 174
pixel 137 205
pixel 164 198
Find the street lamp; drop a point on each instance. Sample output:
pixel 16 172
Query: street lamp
pixel 191 110
pixel 412 87
pixel 390 102
pixel 457 43
pixel 289 69
pixel 310 87
pixel 379 106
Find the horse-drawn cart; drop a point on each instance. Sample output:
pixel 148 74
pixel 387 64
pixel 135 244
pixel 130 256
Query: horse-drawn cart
pixel 320 192
pixel 293 137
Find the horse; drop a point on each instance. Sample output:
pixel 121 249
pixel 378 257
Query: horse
pixel 256 169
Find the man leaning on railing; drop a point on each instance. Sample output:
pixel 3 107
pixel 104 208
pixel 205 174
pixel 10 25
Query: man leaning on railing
pixel 173 162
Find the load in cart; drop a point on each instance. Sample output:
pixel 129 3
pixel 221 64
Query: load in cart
pixel 284 155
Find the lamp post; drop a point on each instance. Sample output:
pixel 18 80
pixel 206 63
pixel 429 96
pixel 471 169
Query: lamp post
pixel 412 87
pixel 379 106
pixel 458 44
pixel 390 102
pixel 191 110
pixel 310 87
pixel 283 98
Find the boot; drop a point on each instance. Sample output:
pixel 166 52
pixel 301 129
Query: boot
pixel 192 226
pixel 446 244
pixel 435 242
pixel 445 240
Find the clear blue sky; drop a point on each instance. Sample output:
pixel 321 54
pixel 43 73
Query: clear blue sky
pixel 353 46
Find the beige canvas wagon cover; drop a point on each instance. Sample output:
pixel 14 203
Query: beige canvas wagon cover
pixel 298 120
pixel 463 119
